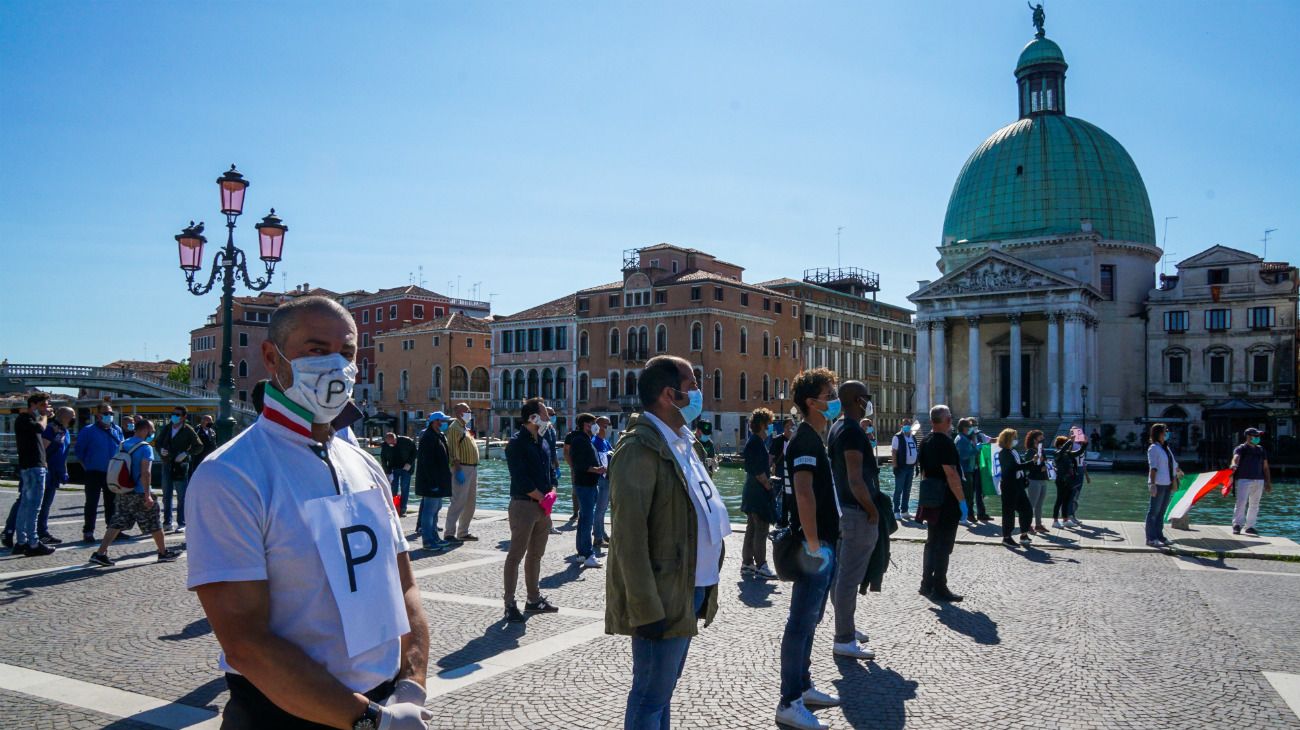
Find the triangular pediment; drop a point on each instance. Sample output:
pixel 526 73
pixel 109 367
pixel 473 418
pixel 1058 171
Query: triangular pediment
pixel 996 273
pixel 1220 255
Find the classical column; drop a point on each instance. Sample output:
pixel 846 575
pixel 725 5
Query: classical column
pixel 973 356
pixel 940 363
pixel 1016 400
pixel 1071 406
pixel 1094 374
pixel 1053 367
pixel 922 368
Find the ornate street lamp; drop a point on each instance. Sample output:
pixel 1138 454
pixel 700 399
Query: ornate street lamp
pixel 229 262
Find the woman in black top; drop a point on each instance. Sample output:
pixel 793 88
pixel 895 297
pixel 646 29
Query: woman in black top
pixel 1012 481
pixel 1065 467
pixel 756 500
pixel 1036 471
pixel 781 487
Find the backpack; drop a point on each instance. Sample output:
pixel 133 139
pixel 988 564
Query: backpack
pixel 119 478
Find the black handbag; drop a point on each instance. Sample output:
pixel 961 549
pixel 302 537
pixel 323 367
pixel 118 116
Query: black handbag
pixel 787 543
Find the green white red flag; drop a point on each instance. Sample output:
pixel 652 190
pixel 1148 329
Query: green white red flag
pixel 1192 488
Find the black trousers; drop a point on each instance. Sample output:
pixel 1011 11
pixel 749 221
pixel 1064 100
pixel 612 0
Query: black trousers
pixel 1064 493
pixel 1015 501
pixel 940 537
pixel 249 709
pixel 97 483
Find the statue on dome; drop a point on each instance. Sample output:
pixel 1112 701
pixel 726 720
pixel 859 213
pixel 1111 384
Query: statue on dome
pixel 1039 18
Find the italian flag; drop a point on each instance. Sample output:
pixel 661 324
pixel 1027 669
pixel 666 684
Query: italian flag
pixel 990 470
pixel 277 408
pixel 1192 488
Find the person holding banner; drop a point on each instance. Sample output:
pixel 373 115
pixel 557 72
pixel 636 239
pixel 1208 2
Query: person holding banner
pixel 1163 473
pixel 297 554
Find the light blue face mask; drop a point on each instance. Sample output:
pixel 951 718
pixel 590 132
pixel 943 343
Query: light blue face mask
pixel 106 418
pixel 1254 440
pixel 175 419
pixel 832 411
pixel 694 406
pixel 871 429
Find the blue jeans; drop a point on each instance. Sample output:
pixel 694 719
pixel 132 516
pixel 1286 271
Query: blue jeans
pixel 401 485
pixel 808 595
pixel 1156 512
pixel 173 485
pixel 43 521
pixel 903 488
pixel 1074 496
pixel 32 493
pixel 602 506
pixel 656 666
pixel 428 522
pixel 586 516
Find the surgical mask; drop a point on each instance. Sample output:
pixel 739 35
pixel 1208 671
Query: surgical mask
pixel 832 411
pixel 322 384
pixel 175 420
pixel 150 439
pixel 871 429
pixel 541 425
pixel 1015 443
pixel 705 438
pixel 443 425
pixel 694 405
pixel 107 419
pixel 1254 440
pixel 593 429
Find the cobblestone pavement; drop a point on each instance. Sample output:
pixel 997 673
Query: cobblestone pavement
pixel 1046 639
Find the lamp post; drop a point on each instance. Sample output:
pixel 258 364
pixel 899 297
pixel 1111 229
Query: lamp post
pixel 229 262
pixel 1083 396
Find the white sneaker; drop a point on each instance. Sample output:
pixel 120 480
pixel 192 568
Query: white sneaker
pixel 746 569
pixel 180 528
pixel 591 562
pixel 1071 523
pixel 764 572
pixel 898 516
pixel 860 636
pixel 965 523
pixel 815 697
pixel 853 649
pixel 171 527
pixel 1056 524
pixel 907 515
pixel 798 717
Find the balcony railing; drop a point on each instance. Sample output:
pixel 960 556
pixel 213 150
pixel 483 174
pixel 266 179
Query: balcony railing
pixel 636 355
pixel 402 393
pixel 459 395
pixel 435 393
pixel 628 402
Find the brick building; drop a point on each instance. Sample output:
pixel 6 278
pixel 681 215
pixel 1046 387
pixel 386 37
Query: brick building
pixel 857 337
pixel 432 366
pixel 534 356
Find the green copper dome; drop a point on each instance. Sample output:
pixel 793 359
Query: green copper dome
pixel 1040 50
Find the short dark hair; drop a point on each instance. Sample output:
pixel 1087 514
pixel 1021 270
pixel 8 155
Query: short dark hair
pixel 35 398
pixel 142 421
pixel 531 407
pixel 1158 430
pixel 585 418
pixel 286 315
pixel 184 411
pixel 809 384
pixel 760 419
pixel 662 371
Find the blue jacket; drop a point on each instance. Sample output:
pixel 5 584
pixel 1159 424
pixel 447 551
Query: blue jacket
pixel 96 445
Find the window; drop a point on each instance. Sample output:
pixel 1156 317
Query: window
pixel 776 347
pixel 614 301
pixel 469 342
pixel 744 383
pixel 437 311
pixel 744 299
pixel 584 387
pixel 636 298
pixel 767 304
pixel 695 294
pixel 507 342
pixel 1107 281
pixel 808 323
pixel 584 344
pixel 1218 368
pixel 794 310
pixel 613 342
pixel 674 267
pixel 507 393
pixel 744 341
pixel 794 349
pixel 661 338
pixel 460 378
pixel 487 343
pixel 629 383
pixel 381 347
pixel 521 340
pixel 776 307
pixel 767 388
pixel 1217 320
pixel 717 337
pixel 418 311
pixel 584 304
pixel 1176 321
pixel 365 339
pixel 661 296
pixel 437 376
pixel 380 381
pixel 379 314
pixel 654 263
pixel 717 385
pixel 365 316
pixel 561 338
pixel 436 340
pixel 243 339
pixel 243 396
pixel 613 384
pixel 1259 369
pixel 534 339
pixel 697 336
pixel 548 339
pixel 243 368
pixel 1175 368
pixel 392 311
pixel 1216 276
pixel 548 384
pixel 1259 318
pixel 717 293
pixel 767 344
pixel 858 330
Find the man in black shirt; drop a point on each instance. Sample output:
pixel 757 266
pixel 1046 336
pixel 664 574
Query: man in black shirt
pixel 815 515
pixel 29 430
pixel 585 469
pixel 784 489
pixel 943 503
pixel 851 451
pixel 529 461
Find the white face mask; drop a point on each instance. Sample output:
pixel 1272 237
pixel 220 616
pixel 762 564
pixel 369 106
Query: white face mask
pixel 541 425
pixel 322 384
pixel 1015 443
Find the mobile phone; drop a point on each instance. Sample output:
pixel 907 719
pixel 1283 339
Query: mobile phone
pixel 350 415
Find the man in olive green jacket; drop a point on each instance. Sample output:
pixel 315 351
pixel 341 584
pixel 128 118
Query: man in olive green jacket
pixel 669 524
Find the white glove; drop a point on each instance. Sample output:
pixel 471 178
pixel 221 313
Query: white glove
pixel 405 716
pixel 407 691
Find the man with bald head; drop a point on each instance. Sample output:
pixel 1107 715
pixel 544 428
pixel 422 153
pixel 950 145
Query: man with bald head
pixel 463 451
pixel 297 554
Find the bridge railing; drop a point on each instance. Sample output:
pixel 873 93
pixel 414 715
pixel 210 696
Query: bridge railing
pixel 94 377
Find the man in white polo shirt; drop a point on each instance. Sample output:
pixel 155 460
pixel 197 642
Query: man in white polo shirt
pixel 297 554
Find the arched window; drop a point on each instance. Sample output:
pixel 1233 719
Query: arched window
pixel 717 336
pixel 744 340
pixel 364 375
pixel 699 378
pixel 643 341
pixel 744 386
pixel 403 386
pixel 697 336
pixel 613 341
pixel 437 376
pixel 661 339
pixel 533 385
pixel 629 383
pixel 767 393
pixel 584 344
pixel 381 385
pixel 548 384
pixel 459 378
pixel 584 387
pixel 717 385
pixel 243 368
pixel 613 384
pixel 507 392
pixel 794 349
pixel 776 347
pixel 561 383
pixel 478 380
pixel 767 344
pixel 521 391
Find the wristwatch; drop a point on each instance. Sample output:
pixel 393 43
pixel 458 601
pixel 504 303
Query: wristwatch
pixel 370 718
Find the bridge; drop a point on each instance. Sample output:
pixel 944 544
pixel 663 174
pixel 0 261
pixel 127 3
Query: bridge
pixel 17 378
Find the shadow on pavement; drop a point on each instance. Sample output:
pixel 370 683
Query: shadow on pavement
pixel 193 630
pixel 1217 544
pixel 499 637
pixel 571 572
pixel 975 624
pixel 873 696
pixel 204 694
pixel 1037 555
pixel 756 593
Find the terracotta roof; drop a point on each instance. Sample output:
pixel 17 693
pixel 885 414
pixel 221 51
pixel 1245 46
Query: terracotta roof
pixel 603 287
pixel 697 276
pixel 565 306
pixel 410 290
pixel 145 366
pixel 787 281
pixel 687 250
pixel 455 322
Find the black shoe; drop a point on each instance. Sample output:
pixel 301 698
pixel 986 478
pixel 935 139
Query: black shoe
pixel 87 537
pixel 467 538
pixel 101 559
pixel 1236 529
pixel 168 556
pixel 541 605
pixel 7 540
pixel 19 551
pixel 944 595
pixel 1008 542
pixel 39 549
pixel 48 539
pixel 1251 531
pixel 452 540
pixel 925 589
pixel 513 615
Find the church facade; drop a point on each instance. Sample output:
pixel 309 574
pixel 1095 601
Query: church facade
pixel 1047 256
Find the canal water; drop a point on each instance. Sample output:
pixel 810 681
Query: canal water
pixel 1110 496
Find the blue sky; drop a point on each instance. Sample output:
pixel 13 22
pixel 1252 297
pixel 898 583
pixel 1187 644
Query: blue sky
pixel 525 145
